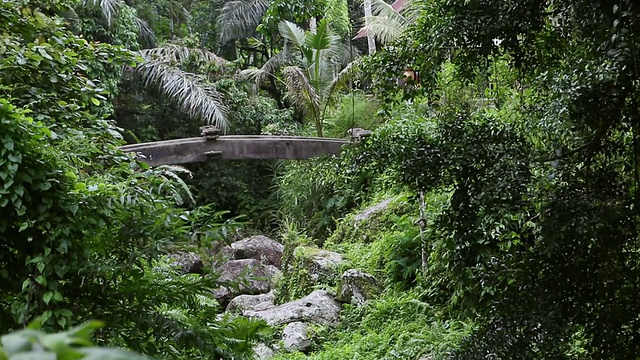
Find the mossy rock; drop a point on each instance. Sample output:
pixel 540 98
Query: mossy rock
pixel 357 287
pixel 363 227
pixel 309 269
pixel 323 266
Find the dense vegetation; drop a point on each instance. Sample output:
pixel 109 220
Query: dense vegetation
pixel 505 133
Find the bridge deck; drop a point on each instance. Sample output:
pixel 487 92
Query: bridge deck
pixel 234 147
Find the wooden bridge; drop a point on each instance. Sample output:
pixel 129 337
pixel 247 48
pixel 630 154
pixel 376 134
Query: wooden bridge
pixel 233 147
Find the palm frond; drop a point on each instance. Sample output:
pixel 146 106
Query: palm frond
pixel 412 10
pixel 175 54
pixel 274 62
pixel 383 29
pixel 189 91
pixel 340 80
pixel 300 91
pixel 292 32
pixel 387 24
pixel 72 18
pixel 383 9
pixel 109 8
pixel 323 39
pixel 253 74
pixel 172 174
pixel 268 69
pixel 146 36
pixel 240 18
pixel 348 53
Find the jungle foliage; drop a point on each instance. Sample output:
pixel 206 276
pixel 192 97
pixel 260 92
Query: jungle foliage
pixel 531 126
pixel 506 130
pixel 84 227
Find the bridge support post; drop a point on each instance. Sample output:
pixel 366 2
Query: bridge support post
pixel 209 132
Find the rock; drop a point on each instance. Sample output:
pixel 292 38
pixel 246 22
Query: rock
pixel 321 264
pixel 252 276
pixel 252 302
pixel 259 247
pixel 357 287
pixel 263 352
pixel 366 213
pixel 187 262
pixel 296 337
pixel 318 307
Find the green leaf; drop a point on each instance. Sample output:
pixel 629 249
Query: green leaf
pixel 62 321
pixel 15 343
pixel 34 260
pixel 44 54
pixel 8 143
pixel 96 353
pixel 47 297
pixel 23 226
pixel 95 101
pixel 40 355
pixel 45 316
pixel 25 284
pixel 15 157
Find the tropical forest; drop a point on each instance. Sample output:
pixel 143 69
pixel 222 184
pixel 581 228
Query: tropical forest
pixel 319 179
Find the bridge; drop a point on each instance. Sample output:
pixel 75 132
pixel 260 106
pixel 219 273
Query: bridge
pixel 233 147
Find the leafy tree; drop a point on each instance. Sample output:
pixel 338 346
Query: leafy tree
pixel 538 239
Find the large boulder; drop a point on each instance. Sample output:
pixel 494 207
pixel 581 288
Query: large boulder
pixel 296 337
pixel 263 352
pixel 321 265
pixel 309 267
pixel 252 302
pixel 357 287
pixel 318 307
pixel 368 212
pixel 187 262
pixel 246 276
pixel 259 247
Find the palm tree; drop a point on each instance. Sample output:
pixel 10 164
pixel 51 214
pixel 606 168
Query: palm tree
pixel 239 18
pixel 387 22
pixel 160 71
pixel 110 9
pixel 367 19
pixel 322 66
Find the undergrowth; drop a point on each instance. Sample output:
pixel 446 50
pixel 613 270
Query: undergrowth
pixel 394 326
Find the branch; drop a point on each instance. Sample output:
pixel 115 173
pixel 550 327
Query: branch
pixel 592 144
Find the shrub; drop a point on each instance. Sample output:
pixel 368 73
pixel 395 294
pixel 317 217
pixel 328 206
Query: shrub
pixel 355 110
pixel 394 326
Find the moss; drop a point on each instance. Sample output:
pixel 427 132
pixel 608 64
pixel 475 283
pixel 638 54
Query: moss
pixel 352 229
pixel 357 288
pixel 303 275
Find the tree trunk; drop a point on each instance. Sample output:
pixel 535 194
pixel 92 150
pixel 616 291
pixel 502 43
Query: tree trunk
pixel 313 25
pixel 424 253
pixel 371 41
